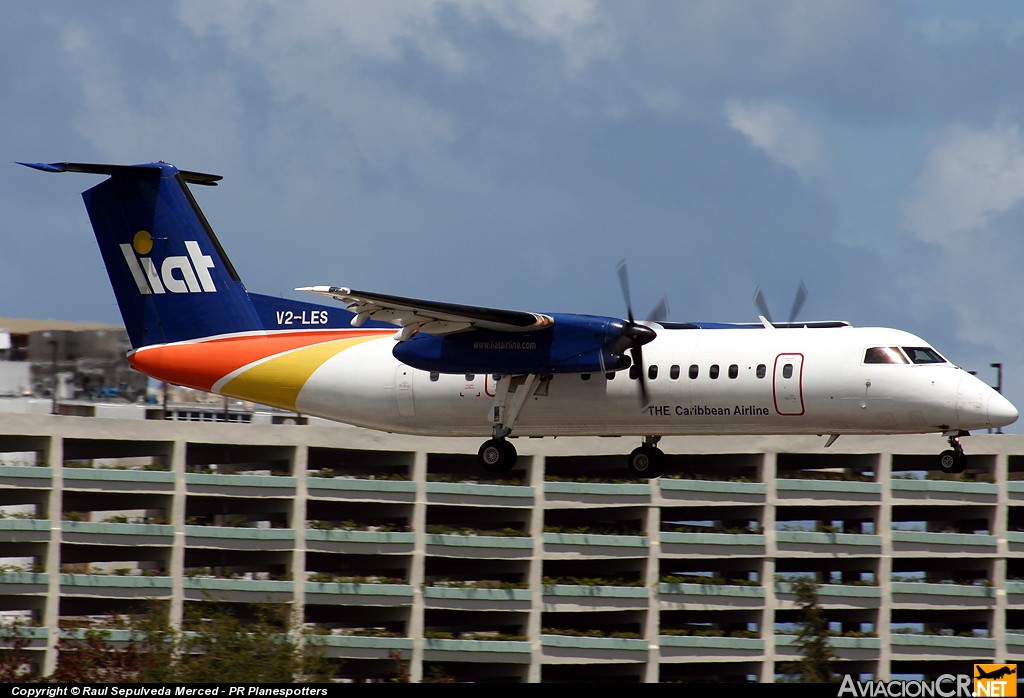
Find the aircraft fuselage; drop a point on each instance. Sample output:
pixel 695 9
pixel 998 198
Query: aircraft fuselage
pixel 699 381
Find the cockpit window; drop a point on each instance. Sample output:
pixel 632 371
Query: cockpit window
pixel 884 355
pixel 924 355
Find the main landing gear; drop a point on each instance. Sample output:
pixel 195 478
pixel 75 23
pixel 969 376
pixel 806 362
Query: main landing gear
pixel 953 460
pixel 648 460
pixel 497 455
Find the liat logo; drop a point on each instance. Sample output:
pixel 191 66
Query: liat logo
pixel 177 274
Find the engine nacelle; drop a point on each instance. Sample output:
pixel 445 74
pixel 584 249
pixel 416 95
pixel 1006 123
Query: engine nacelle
pixel 573 344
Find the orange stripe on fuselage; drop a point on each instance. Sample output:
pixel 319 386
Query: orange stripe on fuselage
pixel 201 364
pixel 279 380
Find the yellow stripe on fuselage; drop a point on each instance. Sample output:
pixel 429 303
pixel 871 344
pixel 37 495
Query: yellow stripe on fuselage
pixel 278 380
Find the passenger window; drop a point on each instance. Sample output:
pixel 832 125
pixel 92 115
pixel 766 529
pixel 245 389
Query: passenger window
pixel 762 370
pixel 713 371
pixel 787 371
pixel 884 355
pixel 734 371
pixel 584 376
pixel 673 372
pixel 471 376
pixel 610 375
pixel 652 372
pixel 434 376
pixel 924 355
pixel 694 371
pixel 634 371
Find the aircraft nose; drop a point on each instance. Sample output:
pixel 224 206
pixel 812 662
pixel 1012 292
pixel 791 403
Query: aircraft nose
pixel 979 405
pixel 1001 411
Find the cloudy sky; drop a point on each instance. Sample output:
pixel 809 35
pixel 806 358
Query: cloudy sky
pixel 511 153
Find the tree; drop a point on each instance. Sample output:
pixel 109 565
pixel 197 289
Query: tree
pixel 219 647
pixel 93 658
pixel 401 670
pixel 215 645
pixel 15 666
pixel 813 639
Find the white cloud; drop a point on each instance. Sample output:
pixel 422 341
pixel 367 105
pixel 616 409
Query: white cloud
pixel 386 31
pixel 338 67
pixel 783 134
pixel 573 25
pixel 949 30
pixel 378 31
pixel 969 177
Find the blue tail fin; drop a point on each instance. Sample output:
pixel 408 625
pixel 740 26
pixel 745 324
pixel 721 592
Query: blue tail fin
pixel 171 277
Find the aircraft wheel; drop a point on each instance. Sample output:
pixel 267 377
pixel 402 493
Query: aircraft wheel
pixel 951 461
pixel 647 461
pixel 497 456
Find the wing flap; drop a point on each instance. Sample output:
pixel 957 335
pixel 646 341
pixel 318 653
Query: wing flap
pixel 432 317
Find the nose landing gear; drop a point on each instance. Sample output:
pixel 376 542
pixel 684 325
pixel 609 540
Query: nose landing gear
pixel 953 460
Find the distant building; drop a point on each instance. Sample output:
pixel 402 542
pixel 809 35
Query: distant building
pixel 15 378
pixel 75 360
pixel 72 365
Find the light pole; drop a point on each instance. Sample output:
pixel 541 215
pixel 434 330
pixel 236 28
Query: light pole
pixel 999 384
pixel 53 371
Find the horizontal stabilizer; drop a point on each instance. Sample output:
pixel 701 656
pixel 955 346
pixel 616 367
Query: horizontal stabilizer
pixel 92 168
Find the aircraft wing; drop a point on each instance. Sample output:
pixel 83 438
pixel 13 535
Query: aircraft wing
pixel 414 315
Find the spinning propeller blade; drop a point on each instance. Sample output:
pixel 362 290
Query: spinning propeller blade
pixel 624 284
pixel 762 305
pixel 637 334
pixel 659 313
pixel 798 303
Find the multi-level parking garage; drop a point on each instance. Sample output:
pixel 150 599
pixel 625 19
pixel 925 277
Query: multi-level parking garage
pixel 562 570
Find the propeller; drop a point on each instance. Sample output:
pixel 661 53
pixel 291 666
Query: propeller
pixel 637 334
pixel 798 303
pixel 659 313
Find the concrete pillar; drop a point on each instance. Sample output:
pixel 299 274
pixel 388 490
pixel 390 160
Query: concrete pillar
pixel 51 609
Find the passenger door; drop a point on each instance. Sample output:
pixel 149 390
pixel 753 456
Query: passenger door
pixel 788 384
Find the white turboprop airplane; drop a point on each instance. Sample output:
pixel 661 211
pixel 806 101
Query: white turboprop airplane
pixel 456 370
